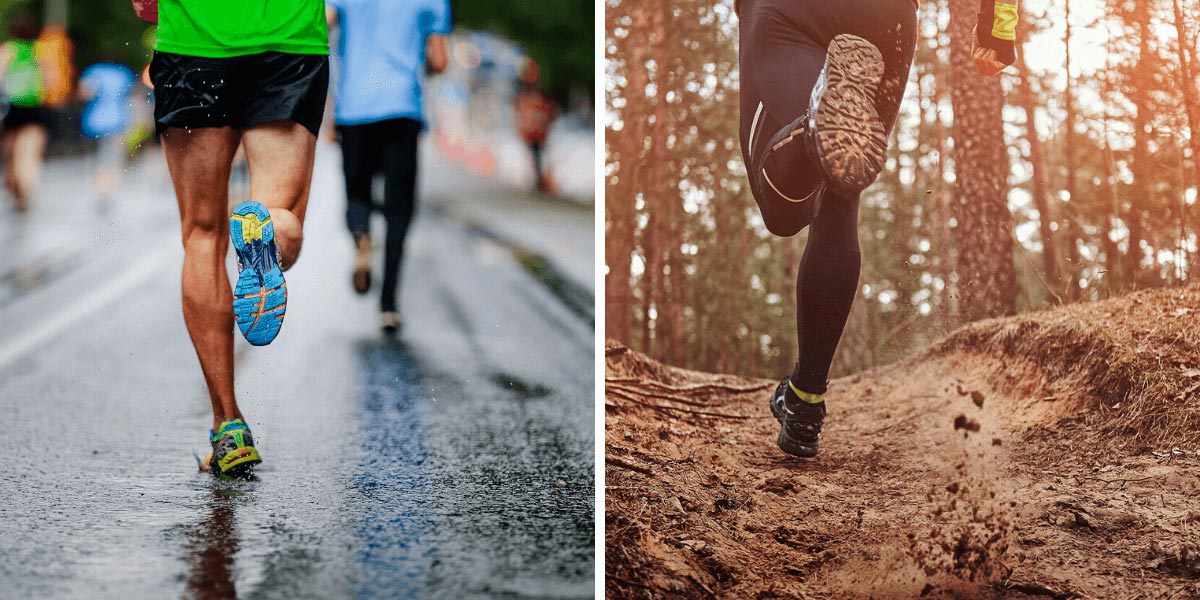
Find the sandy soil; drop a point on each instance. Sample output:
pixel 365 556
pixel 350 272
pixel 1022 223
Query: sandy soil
pixel 975 469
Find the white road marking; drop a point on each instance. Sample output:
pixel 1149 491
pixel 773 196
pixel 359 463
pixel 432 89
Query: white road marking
pixel 117 287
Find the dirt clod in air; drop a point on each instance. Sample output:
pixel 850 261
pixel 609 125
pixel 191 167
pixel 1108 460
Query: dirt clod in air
pixel 966 423
pixel 970 530
pixel 977 398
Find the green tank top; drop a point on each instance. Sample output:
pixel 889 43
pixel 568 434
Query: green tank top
pixel 224 28
pixel 23 80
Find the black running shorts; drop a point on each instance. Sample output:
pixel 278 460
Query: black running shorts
pixel 20 116
pixel 240 92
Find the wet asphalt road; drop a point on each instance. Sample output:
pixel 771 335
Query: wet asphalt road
pixel 455 460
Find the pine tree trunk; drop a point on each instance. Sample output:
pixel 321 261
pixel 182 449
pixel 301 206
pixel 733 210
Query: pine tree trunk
pixel 987 278
pixel 1070 220
pixel 620 200
pixel 1112 194
pixel 659 196
pixel 618 249
pixel 1191 96
pixel 1141 151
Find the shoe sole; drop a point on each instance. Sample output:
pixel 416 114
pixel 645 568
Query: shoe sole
pixel 794 447
pixel 788 444
pixel 259 299
pixel 851 139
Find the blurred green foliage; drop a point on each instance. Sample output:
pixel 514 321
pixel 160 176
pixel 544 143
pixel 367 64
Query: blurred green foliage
pixel 97 26
pixel 558 34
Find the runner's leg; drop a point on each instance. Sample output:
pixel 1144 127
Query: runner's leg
pixel 783 51
pixel 199 161
pixel 826 285
pixel 7 144
pixel 108 165
pixel 280 156
pixel 828 279
pixel 360 162
pixel 779 69
pixel 399 202
pixel 29 152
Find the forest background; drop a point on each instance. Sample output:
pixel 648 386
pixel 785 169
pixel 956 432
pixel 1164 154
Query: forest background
pixel 1071 178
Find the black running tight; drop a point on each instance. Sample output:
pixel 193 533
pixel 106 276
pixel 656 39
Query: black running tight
pixel 782 50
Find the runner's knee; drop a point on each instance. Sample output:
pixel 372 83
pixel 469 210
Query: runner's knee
pixel 203 231
pixel 780 224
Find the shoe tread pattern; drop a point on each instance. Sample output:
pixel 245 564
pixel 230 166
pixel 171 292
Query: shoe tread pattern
pixel 850 135
pixel 260 295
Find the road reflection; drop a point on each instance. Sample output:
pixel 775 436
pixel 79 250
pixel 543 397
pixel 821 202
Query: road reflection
pixel 212 546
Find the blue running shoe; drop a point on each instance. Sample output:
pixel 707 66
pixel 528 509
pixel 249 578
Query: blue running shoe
pixel 260 296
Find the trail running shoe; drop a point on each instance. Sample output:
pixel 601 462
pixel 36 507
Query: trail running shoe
pixel 233 453
pixel 841 130
pixel 851 139
pixel 800 422
pixel 260 296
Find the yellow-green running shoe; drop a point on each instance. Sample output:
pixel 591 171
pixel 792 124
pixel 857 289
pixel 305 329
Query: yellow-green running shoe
pixel 233 453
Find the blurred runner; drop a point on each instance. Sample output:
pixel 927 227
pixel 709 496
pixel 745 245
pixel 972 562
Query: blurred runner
pixel 535 112
pixel 230 72
pixel 24 136
pixel 56 55
pixel 106 87
pixel 383 47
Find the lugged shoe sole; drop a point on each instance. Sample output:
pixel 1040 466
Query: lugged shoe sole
pixel 851 138
pixel 260 295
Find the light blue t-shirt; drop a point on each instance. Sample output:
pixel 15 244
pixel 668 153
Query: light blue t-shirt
pixel 381 53
pixel 107 112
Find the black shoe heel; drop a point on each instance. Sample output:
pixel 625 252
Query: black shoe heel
pixel 794 447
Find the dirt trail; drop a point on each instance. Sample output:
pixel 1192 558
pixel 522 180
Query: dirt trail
pixel 1049 455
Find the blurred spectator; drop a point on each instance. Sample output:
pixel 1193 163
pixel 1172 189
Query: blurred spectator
pixel 24 136
pixel 56 54
pixel 535 112
pixel 106 87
